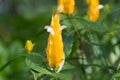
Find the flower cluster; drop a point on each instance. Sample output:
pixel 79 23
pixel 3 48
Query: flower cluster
pixel 54 51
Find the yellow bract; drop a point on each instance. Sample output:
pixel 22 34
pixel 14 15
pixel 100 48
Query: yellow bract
pixel 28 46
pixel 69 6
pixel 54 50
pixel 66 6
pixel 93 11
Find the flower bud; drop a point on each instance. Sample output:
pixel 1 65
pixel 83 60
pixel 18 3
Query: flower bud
pixel 28 46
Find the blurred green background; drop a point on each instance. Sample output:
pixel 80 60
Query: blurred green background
pixel 99 42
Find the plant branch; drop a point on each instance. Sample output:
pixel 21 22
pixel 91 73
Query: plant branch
pixel 100 66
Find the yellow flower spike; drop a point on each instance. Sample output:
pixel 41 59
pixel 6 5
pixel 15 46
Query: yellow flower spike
pixel 93 10
pixel 60 6
pixel 69 6
pixel 28 46
pixel 54 50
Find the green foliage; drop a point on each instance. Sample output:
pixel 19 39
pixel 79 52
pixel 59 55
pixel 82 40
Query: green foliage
pixel 92 49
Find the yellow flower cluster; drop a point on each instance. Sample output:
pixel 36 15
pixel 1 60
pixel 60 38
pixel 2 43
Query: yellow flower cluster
pixel 66 6
pixel 93 10
pixel 54 50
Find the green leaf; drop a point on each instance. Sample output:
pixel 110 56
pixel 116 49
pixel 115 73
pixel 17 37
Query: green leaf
pixel 39 69
pixel 67 66
pixel 74 48
pixel 81 23
pixel 34 74
pixel 72 21
pixel 63 76
pixel 68 40
pixel 3 54
pixel 93 26
pixel 117 75
pixel 35 62
pixel 34 58
pixel 96 49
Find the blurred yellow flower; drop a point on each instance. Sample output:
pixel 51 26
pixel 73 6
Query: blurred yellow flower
pixel 93 10
pixel 69 6
pixel 66 6
pixel 54 50
pixel 60 6
pixel 28 46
